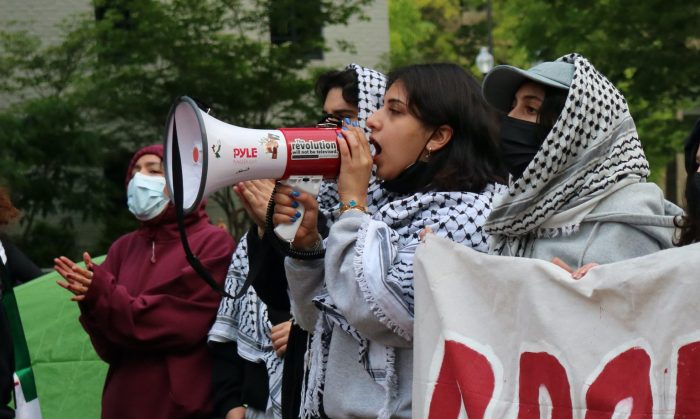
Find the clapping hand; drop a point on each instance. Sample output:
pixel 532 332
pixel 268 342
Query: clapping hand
pixel 77 279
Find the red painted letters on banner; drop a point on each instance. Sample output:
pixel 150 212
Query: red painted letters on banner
pixel 466 378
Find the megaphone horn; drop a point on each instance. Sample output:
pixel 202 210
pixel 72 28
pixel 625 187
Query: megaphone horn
pixel 216 154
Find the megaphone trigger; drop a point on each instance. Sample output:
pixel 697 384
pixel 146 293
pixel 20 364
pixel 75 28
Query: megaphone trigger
pixel 309 184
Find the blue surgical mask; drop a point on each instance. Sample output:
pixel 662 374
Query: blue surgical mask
pixel 145 196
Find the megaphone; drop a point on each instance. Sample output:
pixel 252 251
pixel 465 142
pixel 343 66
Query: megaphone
pixel 215 154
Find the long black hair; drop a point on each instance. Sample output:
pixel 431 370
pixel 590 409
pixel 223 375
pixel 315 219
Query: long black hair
pixel 550 110
pixel 689 223
pixel 445 94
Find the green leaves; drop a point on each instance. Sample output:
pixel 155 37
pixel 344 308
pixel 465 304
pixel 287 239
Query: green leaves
pixel 647 49
pixel 106 89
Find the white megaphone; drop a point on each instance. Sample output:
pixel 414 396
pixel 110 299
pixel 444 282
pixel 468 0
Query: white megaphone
pixel 215 154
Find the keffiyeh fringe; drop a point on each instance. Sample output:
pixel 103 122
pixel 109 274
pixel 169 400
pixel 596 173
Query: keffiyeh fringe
pixel 316 361
pixel 358 265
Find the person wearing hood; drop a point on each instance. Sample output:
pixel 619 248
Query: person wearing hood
pixel 436 152
pixel 577 193
pixel 145 309
pixel 258 352
pixel 689 223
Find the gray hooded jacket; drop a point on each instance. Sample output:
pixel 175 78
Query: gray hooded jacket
pixel 634 221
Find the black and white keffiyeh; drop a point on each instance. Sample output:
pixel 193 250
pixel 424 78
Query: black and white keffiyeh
pixel 371 86
pixel 592 150
pixel 383 266
pixel 245 321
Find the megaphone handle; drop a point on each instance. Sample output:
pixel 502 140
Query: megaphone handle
pixel 309 184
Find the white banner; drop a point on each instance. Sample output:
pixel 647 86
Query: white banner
pixel 503 337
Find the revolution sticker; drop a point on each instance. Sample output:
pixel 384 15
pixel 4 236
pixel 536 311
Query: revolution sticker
pixel 301 149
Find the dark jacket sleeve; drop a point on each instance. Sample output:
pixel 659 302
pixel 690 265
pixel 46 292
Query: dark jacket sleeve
pixel 7 360
pixel 107 350
pixel 21 268
pixel 293 377
pixel 6 367
pixel 236 381
pixel 267 263
pixel 163 319
pixel 227 377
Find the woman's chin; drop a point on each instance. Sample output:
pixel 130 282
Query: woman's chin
pixel 383 175
pixel 380 173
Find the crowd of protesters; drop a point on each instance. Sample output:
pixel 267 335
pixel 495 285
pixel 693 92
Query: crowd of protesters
pixel 541 163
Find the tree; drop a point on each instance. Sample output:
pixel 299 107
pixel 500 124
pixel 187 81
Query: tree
pixel 78 107
pixel 436 30
pixel 50 157
pixel 650 50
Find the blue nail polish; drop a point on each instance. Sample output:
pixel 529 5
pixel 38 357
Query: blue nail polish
pixel 355 124
pixel 339 135
pixel 297 214
pixel 347 120
pixel 295 204
pixel 295 193
pixel 345 128
pixel 292 219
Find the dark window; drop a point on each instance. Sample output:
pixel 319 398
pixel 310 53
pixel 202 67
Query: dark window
pixel 116 28
pixel 116 10
pixel 299 23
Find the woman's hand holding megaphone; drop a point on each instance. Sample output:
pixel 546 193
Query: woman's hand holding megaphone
pixel 355 171
pixel 287 204
pixel 355 164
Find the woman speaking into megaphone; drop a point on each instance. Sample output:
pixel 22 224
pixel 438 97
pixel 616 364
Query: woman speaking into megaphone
pixel 436 150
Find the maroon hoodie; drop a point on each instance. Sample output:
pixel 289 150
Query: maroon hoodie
pixel 148 313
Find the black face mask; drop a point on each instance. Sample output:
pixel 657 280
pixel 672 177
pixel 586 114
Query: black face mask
pixel 519 142
pixel 414 178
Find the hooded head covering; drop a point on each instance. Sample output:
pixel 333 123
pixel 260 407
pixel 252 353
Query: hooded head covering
pixel 156 149
pixel 592 150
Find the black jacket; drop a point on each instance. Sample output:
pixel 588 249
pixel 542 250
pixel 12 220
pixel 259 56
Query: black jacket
pixel 21 267
pixel 7 363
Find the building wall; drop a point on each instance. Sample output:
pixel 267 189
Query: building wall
pixel 370 38
pixel 41 17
